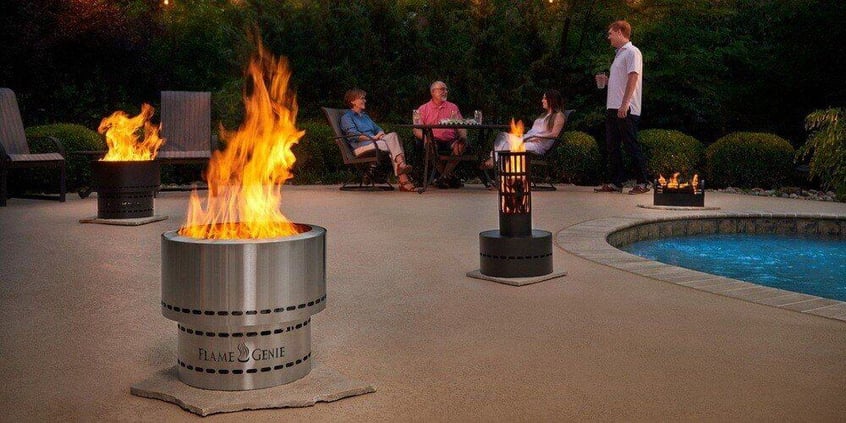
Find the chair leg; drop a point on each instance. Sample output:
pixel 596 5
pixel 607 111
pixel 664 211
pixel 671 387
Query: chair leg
pixel 4 190
pixel 63 187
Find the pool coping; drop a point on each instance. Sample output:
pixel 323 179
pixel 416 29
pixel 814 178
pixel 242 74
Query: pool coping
pixel 590 240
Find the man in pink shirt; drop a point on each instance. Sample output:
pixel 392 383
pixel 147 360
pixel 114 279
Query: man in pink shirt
pixel 454 140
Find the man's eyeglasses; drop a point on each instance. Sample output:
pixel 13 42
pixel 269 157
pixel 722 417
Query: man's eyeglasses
pixel 444 89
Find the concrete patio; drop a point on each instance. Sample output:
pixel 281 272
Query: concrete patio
pixel 80 320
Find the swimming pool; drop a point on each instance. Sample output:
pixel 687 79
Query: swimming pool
pixel 801 263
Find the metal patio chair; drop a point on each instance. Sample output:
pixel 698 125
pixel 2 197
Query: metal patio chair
pixel 14 148
pixel 186 127
pixel 366 164
pixel 541 164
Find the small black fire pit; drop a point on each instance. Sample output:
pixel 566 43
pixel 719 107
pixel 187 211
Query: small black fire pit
pixel 515 250
pixel 125 189
pixel 689 196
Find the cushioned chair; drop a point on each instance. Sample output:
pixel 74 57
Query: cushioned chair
pixel 541 173
pixel 365 165
pixel 186 127
pixel 14 148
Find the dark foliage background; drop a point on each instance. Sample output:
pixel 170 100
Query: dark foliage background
pixel 711 66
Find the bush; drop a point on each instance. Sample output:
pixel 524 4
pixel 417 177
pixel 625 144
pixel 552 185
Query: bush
pixel 74 138
pixel 827 147
pixel 670 151
pixel 578 159
pixel 318 159
pixel 749 160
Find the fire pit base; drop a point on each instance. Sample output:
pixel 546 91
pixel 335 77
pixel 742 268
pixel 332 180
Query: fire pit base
pixel 477 274
pixel 653 207
pixel 515 257
pixel 323 384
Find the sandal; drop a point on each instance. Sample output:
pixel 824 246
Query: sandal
pixel 487 164
pixel 407 186
pixel 403 169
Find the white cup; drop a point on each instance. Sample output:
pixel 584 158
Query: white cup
pixel 415 117
pixel 477 116
pixel 601 80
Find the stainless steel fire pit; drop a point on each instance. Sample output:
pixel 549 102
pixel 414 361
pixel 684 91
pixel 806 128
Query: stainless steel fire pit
pixel 244 307
pixel 125 189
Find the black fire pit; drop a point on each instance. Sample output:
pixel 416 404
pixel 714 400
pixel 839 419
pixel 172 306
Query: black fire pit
pixel 515 250
pixel 125 189
pixel 689 196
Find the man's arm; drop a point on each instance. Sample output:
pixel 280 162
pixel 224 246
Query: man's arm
pixel 631 84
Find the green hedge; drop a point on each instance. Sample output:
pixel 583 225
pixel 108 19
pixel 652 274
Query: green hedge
pixel 749 160
pixel 74 138
pixel 577 159
pixel 669 151
pixel 318 158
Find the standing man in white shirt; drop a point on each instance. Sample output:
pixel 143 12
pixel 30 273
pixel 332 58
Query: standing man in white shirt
pixel 625 85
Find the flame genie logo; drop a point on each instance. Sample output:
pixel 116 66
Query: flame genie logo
pixel 244 354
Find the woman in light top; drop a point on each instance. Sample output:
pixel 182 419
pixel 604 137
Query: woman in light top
pixel 544 131
pixel 364 135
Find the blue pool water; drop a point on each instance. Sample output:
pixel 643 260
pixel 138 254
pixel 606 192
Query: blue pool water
pixel 815 266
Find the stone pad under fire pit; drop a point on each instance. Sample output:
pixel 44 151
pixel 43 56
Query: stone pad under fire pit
pixel 322 384
pixel 477 274
pixel 650 206
pixel 138 221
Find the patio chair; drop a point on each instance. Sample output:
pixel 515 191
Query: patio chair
pixel 542 174
pixel 186 127
pixel 366 164
pixel 14 148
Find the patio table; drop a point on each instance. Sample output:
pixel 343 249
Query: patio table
pixel 428 137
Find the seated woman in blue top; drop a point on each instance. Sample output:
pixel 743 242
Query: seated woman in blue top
pixel 365 135
pixel 545 129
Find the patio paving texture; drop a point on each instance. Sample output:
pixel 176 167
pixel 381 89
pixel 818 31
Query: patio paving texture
pixel 80 319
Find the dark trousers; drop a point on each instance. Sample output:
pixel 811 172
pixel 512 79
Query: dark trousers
pixel 623 132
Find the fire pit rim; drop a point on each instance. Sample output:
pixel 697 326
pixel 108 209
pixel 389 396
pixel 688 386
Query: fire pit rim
pixel 313 231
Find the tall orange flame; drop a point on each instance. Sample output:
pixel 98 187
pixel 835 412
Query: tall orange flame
pixel 122 136
pixel 245 179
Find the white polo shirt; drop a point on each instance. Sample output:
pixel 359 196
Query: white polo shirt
pixel 627 60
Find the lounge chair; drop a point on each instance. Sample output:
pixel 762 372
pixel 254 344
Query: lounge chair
pixel 14 148
pixel 542 177
pixel 365 164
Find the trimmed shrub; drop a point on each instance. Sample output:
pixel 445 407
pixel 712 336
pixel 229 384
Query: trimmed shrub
pixel 577 159
pixel 318 159
pixel 749 160
pixel 669 151
pixel 74 138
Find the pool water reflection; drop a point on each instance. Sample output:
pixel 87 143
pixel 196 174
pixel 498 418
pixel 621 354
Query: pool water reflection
pixel 806 264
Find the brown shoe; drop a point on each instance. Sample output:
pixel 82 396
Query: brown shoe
pixel 639 189
pixel 608 188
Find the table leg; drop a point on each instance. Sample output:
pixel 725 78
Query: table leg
pixel 428 138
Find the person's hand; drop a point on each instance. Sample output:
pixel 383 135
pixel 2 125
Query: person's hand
pixel 623 110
